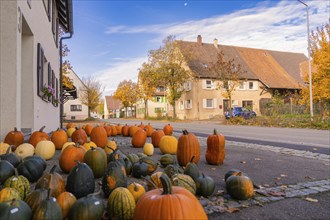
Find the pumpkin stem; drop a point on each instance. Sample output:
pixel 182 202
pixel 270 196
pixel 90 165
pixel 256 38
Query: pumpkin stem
pixel 136 188
pixel 53 169
pixel 215 132
pixel 48 193
pixel 167 185
pixel 8 149
pixel 192 158
pixel 42 128
pixel 92 148
pixel 57 129
pixel 239 174
pixel 14 202
pixel 16 172
pixel 149 181
pixel 111 148
pixel 15 129
pixel 96 193
pixel 185 132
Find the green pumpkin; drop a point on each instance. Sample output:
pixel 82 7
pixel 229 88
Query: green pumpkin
pixel 114 176
pixel 20 183
pixel 6 170
pixel 152 164
pixel 80 181
pixel 230 173
pixel 89 207
pixel 32 168
pixel 15 209
pixel 140 155
pixel 128 166
pixel 10 157
pixel 35 198
pixel 168 159
pixel 184 181
pixel 96 159
pixel 121 204
pixel 173 169
pixel 205 186
pixel 192 169
pixel 239 186
pixel 48 209
pixel 140 169
pixel 133 158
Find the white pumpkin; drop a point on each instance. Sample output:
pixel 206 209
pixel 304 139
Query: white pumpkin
pixel 67 144
pixel 45 149
pixel 24 150
pixel 148 149
pixel 3 148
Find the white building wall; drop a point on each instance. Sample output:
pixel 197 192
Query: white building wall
pixel 21 29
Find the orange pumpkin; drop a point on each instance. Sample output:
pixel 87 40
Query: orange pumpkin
pixel 65 201
pixel 139 138
pixel 70 125
pixel 168 129
pixel 59 137
pixel 79 136
pixel 132 129
pixel 70 155
pixel 118 128
pixel 141 125
pixel 108 130
pixel 188 146
pixel 215 152
pixel 113 130
pixel 125 130
pixel 99 136
pixel 169 203
pixel 88 129
pixel 38 136
pixel 149 129
pixel 15 138
pixel 156 136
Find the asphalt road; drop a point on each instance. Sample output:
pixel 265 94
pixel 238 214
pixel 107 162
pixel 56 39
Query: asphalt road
pixel 317 141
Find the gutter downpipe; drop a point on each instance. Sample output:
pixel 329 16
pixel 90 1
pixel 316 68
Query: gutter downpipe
pixel 61 77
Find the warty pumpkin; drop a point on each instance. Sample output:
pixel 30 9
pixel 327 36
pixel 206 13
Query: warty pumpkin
pixel 20 183
pixel 121 204
pixel 15 138
pixel 38 136
pixel 215 151
pixel 8 194
pixel 99 136
pixel 188 146
pixel 59 137
pixel 179 203
pixel 70 155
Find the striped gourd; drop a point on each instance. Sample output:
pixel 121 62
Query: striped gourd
pixel 20 183
pixel 184 181
pixel 121 204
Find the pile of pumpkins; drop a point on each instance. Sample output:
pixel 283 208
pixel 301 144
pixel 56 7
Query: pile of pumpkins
pixel 84 161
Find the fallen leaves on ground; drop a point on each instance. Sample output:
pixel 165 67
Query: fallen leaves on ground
pixel 276 194
pixel 243 161
pixel 257 159
pixel 310 199
pixel 232 210
pixel 309 177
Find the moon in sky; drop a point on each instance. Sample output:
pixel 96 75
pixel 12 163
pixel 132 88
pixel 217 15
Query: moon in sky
pixel 185 4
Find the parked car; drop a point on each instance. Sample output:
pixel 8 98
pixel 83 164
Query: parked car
pixel 240 112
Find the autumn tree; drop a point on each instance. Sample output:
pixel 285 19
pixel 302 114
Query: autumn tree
pixel 320 53
pixel 66 66
pixel 147 83
pixel 228 73
pixel 127 94
pixel 168 64
pixel 91 95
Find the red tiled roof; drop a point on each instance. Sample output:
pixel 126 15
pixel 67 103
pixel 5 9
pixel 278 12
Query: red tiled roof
pixel 112 103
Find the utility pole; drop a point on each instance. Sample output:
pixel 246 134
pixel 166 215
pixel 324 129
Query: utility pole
pixel 309 63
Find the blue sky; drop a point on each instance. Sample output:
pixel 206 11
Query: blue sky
pixel 112 38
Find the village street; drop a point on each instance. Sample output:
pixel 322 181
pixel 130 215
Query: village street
pixel 286 176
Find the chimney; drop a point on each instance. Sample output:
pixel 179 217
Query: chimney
pixel 215 42
pixel 199 40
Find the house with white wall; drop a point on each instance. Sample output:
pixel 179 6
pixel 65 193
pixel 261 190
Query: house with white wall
pixel 112 107
pixel 29 61
pixel 74 109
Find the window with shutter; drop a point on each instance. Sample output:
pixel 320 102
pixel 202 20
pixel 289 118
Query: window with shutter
pixel 49 79
pixel 56 92
pixel 40 70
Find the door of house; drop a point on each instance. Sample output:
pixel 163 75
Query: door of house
pixel 225 105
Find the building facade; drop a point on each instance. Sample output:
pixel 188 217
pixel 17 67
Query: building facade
pixel 29 63
pixel 112 107
pixel 74 109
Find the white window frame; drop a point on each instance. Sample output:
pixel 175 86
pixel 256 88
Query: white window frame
pixel 188 104
pixel 254 87
pixel 181 105
pixel 208 86
pixel 241 85
pixel 234 102
pixel 214 102
pixel 187 86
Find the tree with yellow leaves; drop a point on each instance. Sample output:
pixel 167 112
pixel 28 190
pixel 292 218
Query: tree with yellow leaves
pixel 127 94
pixel 320 52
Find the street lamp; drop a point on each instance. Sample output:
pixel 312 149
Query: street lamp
pixel 309 63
